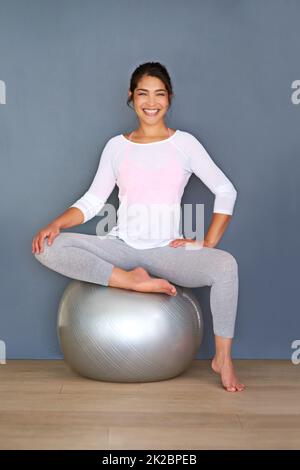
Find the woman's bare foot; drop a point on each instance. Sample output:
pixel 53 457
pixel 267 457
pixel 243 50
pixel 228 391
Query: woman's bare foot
pixel 139 280
pixel 225 368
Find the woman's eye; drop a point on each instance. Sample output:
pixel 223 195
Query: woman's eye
pixel 159 94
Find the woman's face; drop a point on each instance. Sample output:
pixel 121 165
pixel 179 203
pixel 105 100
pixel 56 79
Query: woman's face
pixel 150 94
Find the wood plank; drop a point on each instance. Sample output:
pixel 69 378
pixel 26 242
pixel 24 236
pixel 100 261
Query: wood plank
pixel 45 405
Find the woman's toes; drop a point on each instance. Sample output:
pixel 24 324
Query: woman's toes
pixel 171 292
pixel 235 388
pixel 230 389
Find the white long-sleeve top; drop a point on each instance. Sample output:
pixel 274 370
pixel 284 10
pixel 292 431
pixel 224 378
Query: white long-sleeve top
pixel 151 178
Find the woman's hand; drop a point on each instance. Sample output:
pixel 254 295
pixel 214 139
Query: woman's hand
pixel 186 241
pixel 51 231
pixel 189 242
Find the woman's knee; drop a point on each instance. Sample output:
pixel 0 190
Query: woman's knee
pixel 44 256
pixel 227 262
pixel 50 251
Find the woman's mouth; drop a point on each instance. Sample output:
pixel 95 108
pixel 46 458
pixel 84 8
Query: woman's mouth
pixel 151 112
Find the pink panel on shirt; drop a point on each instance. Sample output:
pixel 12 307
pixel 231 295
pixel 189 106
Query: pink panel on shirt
pixel 142 183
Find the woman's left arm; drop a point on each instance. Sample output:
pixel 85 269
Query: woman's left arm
pixel 200 163
pixel 216 229
pixel 215 179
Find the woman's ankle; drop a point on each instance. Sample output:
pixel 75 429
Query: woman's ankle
pixel 119 278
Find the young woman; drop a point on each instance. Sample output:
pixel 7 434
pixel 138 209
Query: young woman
pixel 151 167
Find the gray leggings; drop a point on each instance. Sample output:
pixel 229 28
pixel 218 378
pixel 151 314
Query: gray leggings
pixel 91 259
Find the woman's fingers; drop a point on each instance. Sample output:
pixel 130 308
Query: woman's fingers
pixel 186 242
pixel 51 237
pixel 40 241
pixel 42 238
pixel 178 242
pixel 49 232
pixel 35 245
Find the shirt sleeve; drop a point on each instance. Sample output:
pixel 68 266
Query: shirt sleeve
pixel 212 176
pixel 102 185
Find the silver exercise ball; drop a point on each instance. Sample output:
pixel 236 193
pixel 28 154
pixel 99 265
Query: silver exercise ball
pixel 118 335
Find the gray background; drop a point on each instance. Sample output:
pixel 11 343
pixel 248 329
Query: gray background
pixel 67 65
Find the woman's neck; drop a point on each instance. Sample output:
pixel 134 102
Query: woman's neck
pixel 151 133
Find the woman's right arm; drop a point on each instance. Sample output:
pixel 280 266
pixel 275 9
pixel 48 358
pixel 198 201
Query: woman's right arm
pixel 71 217
pixel 87 206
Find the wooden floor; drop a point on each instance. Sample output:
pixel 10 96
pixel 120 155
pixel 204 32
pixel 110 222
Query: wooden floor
pixel 44 405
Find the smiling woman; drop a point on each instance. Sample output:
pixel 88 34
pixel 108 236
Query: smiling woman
pixel 151 92
pixel 151 172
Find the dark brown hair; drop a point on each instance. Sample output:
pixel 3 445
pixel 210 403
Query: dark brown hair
pixel 152 69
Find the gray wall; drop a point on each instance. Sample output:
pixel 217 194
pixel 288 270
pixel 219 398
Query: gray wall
pixel 67 64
